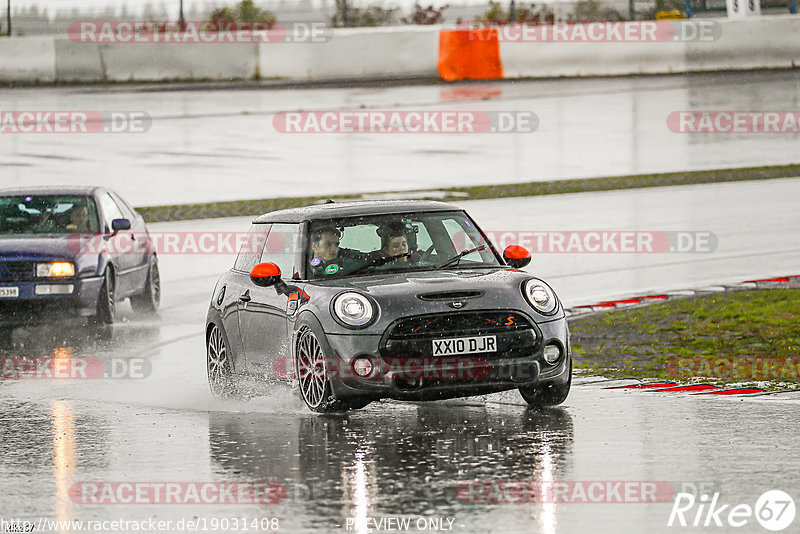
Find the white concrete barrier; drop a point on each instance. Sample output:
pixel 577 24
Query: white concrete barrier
pixel 361 53
pixel 354 53
pixel 750 43
pixel 541 60
pixel 27 59
pixel 174 61
pixel 78 62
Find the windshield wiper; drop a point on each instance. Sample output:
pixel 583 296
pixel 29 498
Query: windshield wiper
pixel 457 258
pixel 377 262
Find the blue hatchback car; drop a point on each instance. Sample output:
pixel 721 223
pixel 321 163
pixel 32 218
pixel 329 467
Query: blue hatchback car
pixel 72 252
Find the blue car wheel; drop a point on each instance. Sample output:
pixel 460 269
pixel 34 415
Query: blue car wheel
pixel 148 300
pixel 106 303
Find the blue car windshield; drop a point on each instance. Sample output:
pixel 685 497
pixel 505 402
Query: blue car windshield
pixel 395 243
pixel 48 214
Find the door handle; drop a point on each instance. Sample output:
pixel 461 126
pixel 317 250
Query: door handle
pixel 245 297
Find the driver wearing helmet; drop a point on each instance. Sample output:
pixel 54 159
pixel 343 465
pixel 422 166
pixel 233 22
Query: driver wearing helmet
pixel 326 257
pixel 325 250
pixel 78 219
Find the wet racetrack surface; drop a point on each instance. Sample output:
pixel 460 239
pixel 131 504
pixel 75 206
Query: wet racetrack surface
pixel 200 140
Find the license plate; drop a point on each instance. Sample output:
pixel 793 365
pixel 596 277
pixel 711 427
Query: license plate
pixel 464 345
pixel 9 292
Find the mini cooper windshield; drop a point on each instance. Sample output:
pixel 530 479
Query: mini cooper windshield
pixel 396 243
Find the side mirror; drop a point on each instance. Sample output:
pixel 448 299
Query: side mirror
pixel 265 274
pixel 517 256
pixel 117 225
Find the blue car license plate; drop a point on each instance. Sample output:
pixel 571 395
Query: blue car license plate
pixel 9 292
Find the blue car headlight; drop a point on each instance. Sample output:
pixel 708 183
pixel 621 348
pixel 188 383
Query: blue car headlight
pixel 540 296
pixel 55 269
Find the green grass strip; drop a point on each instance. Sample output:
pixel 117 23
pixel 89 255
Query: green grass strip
pixel 732 337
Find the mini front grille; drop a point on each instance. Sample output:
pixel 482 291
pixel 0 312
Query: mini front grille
pixel 414 337
pixel 16 271
pixel 459 323
pixel 451 295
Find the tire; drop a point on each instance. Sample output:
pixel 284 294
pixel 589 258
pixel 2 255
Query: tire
pixel 5 337
pixel 106 304
pixel 147 301
pixel 315 387
pixel 549 394
pixel 219 368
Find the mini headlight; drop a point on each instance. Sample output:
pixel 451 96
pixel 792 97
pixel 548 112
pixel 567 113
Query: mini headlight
pixel 540 296
pixel 353 309
pixel 55 269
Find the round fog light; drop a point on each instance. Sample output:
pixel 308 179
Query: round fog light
pixel 362 367
pixel 552 353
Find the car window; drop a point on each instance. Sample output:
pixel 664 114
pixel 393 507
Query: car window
pixel 127 210
pixel 362 238
pixel 48 214
pixel 365 238
pixel 396 242
pixel 110 210
pixel 252 248
pixel 281 248
pixel 463 237
pixel 424 240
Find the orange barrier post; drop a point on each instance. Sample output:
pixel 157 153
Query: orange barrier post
pixel 472 54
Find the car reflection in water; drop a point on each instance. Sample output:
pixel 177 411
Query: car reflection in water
pixel 45 445
pixel 42 339
pixel 409 462
pixel 75 351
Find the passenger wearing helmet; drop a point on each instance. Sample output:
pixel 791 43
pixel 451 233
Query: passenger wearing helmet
pixel 395 237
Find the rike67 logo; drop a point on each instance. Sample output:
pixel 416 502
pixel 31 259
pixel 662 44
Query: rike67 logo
pixel 774 510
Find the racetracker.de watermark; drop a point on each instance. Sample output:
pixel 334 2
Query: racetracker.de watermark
pixel 68 367
pixel 576 492
pixel 405 122
pixel 539 242
pixel 637 32
pixel 734 122
pixel 163 492
pixel 738 368
pixel 165 243
pixel 73 122
pixel 432 368
pixel 197 32
pixel 152 525
pixel 604 241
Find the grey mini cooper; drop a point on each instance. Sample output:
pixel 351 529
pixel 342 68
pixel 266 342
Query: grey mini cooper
pixel 357 301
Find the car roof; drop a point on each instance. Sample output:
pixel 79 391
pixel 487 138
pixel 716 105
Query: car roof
pixel 352 208
pixel 51 190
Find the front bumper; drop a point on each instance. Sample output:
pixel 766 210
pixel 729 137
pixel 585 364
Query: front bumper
pixel 431 378
pixel 30 308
